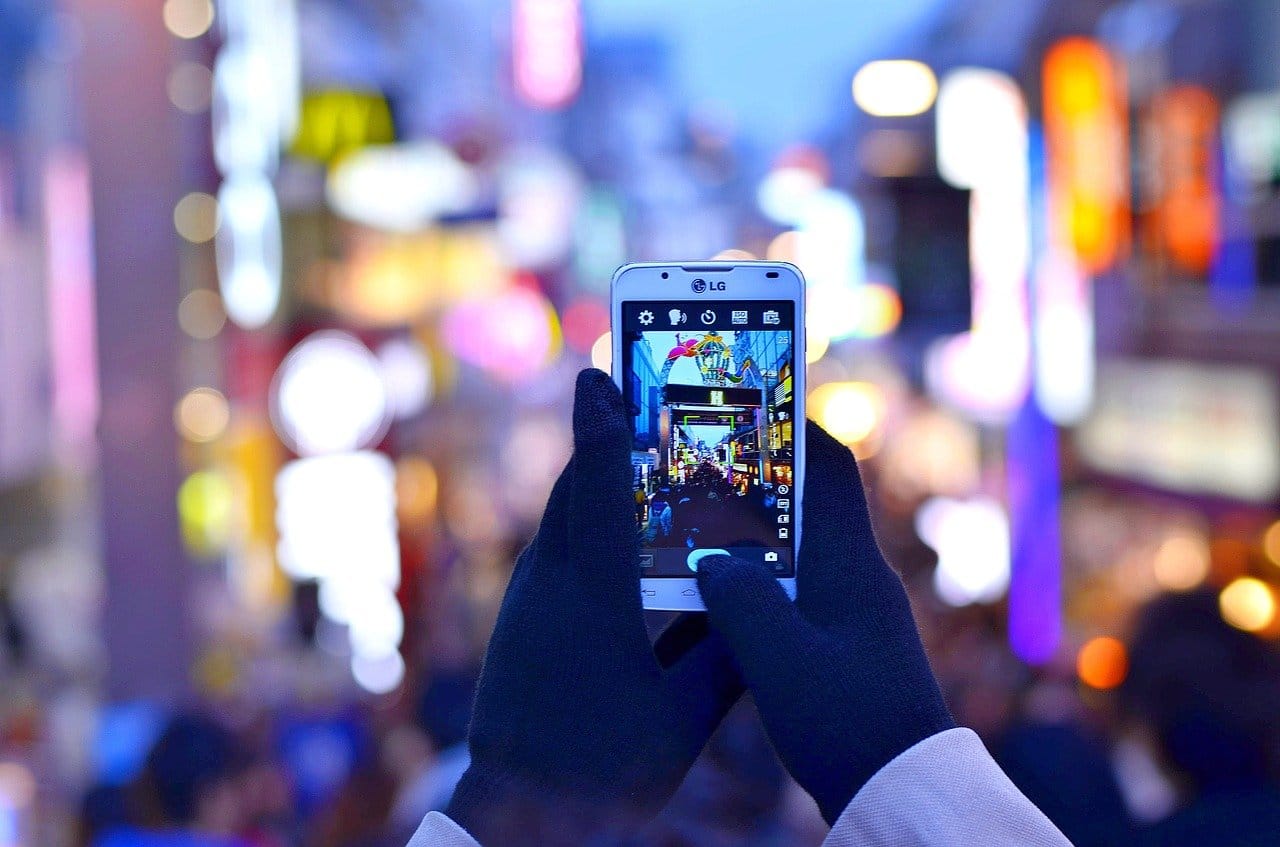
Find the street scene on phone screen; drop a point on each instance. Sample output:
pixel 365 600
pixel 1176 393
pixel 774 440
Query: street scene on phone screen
pixel 714 451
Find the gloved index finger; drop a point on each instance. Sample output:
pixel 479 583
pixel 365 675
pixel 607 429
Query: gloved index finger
pixel 552 540
pixel 837 543
pixel 603 537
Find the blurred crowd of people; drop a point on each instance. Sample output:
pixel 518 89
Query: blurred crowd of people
pixel 1185 752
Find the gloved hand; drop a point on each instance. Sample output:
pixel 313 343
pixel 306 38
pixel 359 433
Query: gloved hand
pixel 839 677
pixel 576 712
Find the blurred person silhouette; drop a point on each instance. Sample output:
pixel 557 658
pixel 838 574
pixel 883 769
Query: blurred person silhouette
pixel 187 794
pixel 1205 695
pixel 1067 772
pixel 444 709
pixel 733 794
pixel 358 815
pixel 583 728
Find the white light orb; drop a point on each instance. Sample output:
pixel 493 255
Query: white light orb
pixel 329 396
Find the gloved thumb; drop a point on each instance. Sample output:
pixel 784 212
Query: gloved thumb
pixel 748 607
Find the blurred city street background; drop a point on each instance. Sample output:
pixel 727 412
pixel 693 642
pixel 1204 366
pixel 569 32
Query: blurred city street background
pixel 292 297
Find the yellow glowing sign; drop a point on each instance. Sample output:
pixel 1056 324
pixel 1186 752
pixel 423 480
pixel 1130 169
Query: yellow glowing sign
pixel 336 122
pixel 205 509
pixel 389 279
pixel 1086 132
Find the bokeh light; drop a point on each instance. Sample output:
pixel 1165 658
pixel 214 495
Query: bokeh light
pixel 971 538
pixel 335 515
pixel 816 346
pixel 784 191
pixel 205 507
pixel 831 251
pixel 336 518
pixel 1271 543
pixel 933 452
pixel 196 217
pixel 249 249
pixel 406 374
pixel 1102 663
pixel 540 191
pixel 471 507
pixel 983 374
pixel 202 415
pixel 400 187
pixel 370 610
pixel 1181 562
pixel 979 119
pixel 1084 111
pixel 188 18
pixel 200 314
pixel 1248 603
pixel 734 255
pixel 329 395
pixel 583 321
pixel 546 51
pixel 602 353
pixel 512 335
pixel 390 280
pixel 378 674
pixel 190 87
pixel 785 247
pixel 879 310
pixel 417 490
pixel 851 411
pixel 894 87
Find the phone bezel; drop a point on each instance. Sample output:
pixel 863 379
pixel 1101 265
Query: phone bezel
pixel 643 281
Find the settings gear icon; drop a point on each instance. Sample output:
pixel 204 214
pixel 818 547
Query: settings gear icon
pixel 646 317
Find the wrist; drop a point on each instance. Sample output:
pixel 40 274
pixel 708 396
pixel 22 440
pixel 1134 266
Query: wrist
pixel 474 797
pixel 912 726
pixel 503 809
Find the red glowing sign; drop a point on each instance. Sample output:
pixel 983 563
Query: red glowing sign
pixel 546 49
pixel 1182 142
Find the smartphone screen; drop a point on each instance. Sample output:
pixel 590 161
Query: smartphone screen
pixel 710 385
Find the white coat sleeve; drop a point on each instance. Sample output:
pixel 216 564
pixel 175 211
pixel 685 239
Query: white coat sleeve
pixel 437 830
pixel 946 790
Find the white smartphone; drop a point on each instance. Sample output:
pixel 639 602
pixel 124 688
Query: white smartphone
pixel 710 360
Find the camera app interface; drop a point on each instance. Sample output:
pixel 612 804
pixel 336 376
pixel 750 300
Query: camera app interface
pixel 710 387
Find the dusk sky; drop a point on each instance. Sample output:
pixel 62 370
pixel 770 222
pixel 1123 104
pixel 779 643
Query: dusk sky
pixel 777 69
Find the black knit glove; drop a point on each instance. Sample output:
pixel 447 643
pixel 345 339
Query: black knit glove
pixel 580 723
pixel 839 676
